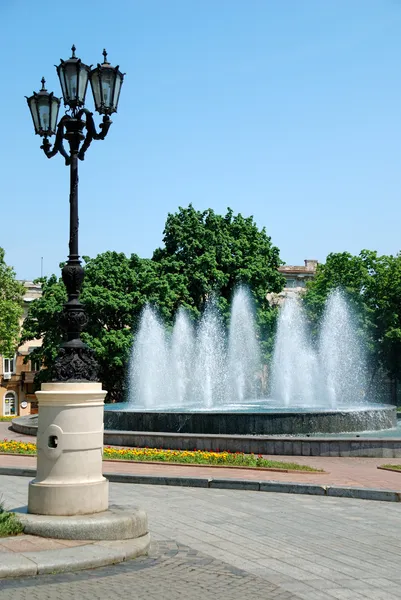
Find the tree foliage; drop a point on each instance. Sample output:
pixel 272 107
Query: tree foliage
pixel 204 254
pixel 207 254
pixel 373 286
pixel 114 293
pixel 11 308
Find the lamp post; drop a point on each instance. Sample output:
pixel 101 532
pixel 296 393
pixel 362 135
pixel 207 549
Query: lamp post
pixel 69 478
pixel 75 361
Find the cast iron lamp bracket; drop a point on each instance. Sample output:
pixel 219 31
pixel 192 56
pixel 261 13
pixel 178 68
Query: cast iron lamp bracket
pixel 62 133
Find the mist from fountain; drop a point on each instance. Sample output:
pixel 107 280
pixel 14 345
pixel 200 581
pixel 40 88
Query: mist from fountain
pixel 244 359
pixel 294 365
pixel 199 366
pixel 205 366
pixel 342 360
pixel 332 371
pixel 149 369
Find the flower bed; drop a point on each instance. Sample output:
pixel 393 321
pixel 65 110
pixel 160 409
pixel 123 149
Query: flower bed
pixel 14 447
pixel 197 457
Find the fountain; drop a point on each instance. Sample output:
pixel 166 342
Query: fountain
pixel 206 379
pixel 332 372
pixel 200 368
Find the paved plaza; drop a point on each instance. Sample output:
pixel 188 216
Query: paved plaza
pixel 342 471
pixel 213 543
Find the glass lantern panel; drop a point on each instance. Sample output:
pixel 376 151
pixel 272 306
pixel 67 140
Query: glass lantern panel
pixel 117 90
pixel 55 104
pixel 71 81
pixel 83 83
pixel 61 76
pixel 107 82
pixel 44 113
pixel 34 112
pixel 95 84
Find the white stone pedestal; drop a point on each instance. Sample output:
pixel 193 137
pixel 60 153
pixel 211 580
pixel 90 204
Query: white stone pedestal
pixel 69 478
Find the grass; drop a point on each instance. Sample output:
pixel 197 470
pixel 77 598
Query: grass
pixel 9 523
pixel 190 457
pixel 392 467
pixel 7 418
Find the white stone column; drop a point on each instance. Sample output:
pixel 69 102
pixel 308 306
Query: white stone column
pixel 69 478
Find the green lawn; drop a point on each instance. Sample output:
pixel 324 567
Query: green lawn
pixel 392 467
pixel 9 523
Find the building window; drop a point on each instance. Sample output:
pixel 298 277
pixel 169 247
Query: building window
pixel 8 366
pixel 10 404
pixel 290 283
pixel 35 365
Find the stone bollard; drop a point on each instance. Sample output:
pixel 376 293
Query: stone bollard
pixel 69 478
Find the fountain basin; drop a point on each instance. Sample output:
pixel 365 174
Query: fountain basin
pixel 255 419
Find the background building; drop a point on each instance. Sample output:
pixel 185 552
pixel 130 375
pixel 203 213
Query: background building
pixel 296 278
pixel 16 376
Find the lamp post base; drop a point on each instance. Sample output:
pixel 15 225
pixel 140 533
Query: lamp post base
pixel 69 478
pixel 67 500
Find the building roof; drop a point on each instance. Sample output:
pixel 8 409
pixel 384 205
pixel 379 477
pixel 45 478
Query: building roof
pixel 309 268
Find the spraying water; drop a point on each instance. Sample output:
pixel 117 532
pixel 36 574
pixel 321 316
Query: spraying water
pixel 243 360
pixel 343 364
pixel 294 367
pixel 196 366
pixel 182 357
pixel 149 369
pixel 206 366
pixel 330 374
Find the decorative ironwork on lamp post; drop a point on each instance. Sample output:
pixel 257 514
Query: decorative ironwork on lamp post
pixel 75 361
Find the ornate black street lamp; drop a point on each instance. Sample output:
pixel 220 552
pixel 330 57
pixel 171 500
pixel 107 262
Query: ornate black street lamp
pixel 75 361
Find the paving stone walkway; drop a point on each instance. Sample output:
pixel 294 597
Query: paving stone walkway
pixel 171 571
pixel 218 543
pixel 352 472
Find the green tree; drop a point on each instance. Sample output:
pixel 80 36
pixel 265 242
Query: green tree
pixel 114 292
pixel 382 295
pixel 207 254
pixel 373 286
pixel 204 254
pixel 43 322
pixel 345 271
pixel 11 308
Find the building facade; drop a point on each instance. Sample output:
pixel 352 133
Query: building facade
pixel 296 278
pixel 16 376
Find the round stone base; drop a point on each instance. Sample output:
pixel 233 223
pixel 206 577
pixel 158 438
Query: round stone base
pixel 116 523
pixel 68 499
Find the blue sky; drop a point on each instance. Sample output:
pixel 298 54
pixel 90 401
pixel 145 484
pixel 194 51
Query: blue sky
pixel 288 110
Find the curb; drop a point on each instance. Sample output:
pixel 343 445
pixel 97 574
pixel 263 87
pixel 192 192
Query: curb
pixel 384 468
pixel 90 556
pixel 280 487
